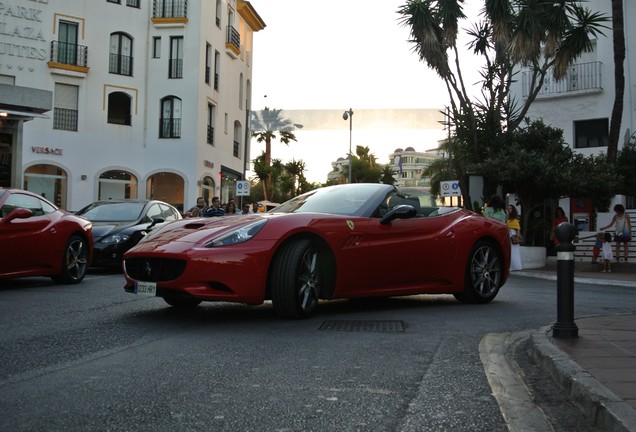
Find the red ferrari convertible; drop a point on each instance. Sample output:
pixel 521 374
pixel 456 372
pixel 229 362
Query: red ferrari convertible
pixel 39 239
pixel 345 241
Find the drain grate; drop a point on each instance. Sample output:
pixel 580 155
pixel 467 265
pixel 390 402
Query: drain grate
pixel 363 325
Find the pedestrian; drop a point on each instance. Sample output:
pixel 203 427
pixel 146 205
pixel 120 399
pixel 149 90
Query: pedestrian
pixel 198 209
pixel 215 209
pixel 607 253
pixel 559 218
pixel 623 231
pixel 514 229
pixel 598 245
pixel 495 209
pixel 246 209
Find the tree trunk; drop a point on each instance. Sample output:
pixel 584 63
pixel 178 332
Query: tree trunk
pixel 619 78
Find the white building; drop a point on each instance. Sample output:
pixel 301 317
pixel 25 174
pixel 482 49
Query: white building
pixel 581 104
pixel 125 98
pixel 409 165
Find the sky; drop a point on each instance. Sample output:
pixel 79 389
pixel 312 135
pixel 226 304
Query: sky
pixel 339 54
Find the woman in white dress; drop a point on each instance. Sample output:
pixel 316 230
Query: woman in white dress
pixel 514 228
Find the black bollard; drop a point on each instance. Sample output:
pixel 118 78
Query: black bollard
pixel 565 327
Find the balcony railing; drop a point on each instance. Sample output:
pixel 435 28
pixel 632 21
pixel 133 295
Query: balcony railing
pixel 170 9
pixel 580 77
pixel 70 54
pixel 120 64
pixel 207 74
pixel 233 38
pixel 176 68
pixel 216 81
pixel 236 148
pixel 65 119
pixel 169 128
pixel 133 3
pixel 210 135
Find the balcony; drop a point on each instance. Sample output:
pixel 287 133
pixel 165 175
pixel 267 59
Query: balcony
pixel 581 78
pixel 175 68
pixel 65 119
pixel 120 64
pixel 69 57
pixel 170 13
pixel 170 128
pixel 233 42
pixel 210 137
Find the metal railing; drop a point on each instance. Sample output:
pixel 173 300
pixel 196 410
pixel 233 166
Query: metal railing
pixel 170 9
pixel 236 148
pixel 169 128
pixel 210 137
pixel 176 68
pixel 234 37
pixel 120 64
pixel 133 3
pixel 580 76
pixel 70 54
pixel 65 119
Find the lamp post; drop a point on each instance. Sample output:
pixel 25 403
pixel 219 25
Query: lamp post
pixel 348 115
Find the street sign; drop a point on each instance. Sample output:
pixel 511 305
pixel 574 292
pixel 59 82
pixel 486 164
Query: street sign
pixel 449 188
pixel 242 188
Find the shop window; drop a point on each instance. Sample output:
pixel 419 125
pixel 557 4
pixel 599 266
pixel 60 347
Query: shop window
pixel 48 181
pixel 117 184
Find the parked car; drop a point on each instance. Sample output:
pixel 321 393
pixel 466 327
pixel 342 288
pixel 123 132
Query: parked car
pixel 354 240
pixel 118 225
pixel 39 239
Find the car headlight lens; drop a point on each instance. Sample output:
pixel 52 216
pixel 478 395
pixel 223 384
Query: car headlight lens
pixel 115 238
pixel 238 235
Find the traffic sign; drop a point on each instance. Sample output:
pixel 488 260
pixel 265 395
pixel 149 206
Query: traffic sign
pixel 449 188
pixel 242 188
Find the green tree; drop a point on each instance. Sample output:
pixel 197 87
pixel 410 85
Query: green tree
pixel 536 164
pixel 545 36
pixel 386 176
pixel 626 168
pixel 267 125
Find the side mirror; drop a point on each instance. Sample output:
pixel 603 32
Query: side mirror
pixel 18 213
pixel 403 211
pixel 156 221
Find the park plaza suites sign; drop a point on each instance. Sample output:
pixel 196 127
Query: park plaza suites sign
pixel 21 33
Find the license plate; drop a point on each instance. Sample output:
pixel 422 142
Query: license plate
pixel 146 288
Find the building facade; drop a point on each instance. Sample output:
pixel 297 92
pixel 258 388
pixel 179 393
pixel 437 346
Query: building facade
pixel 125 98
pixel 581 104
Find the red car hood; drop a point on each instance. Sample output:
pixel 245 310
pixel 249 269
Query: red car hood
pixel 195 230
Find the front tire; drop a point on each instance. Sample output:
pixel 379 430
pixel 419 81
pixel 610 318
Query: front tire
pixel 75 261
pixel 296 279
pixel 484 272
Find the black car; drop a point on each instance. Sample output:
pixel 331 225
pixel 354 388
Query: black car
pixel 118 225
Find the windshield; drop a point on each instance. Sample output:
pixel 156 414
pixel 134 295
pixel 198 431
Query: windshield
pixel 343 200
pixel 113 212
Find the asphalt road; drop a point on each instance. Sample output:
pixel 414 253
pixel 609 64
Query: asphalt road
pixel 92 358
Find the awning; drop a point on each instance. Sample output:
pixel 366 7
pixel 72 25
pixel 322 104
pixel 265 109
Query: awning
pixel 20 115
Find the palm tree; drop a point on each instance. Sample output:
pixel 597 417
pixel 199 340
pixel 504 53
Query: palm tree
pixel 618 34
pixel 545 36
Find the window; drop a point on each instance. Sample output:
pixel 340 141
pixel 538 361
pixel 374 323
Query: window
pixel 211 122
pixel 67 43
pixel 176 57
pixel 134 3
pixel 114 1
pixel 121 60
pixel 218 13
pixel 119 104
pixel 208 59
pixel 236 148
pixel 591 133
pixel 217 69
pixel 65 107
pixel 170 122
pixel 156 47
pixel 240 101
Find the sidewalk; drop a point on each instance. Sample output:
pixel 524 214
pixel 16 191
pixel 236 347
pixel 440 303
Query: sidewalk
pixel 597 369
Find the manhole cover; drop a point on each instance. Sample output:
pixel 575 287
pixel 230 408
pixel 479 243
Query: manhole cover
pixel 363 325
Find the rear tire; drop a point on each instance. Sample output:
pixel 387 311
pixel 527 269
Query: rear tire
pixel 484 271
pixel 296 279
pixel 75 261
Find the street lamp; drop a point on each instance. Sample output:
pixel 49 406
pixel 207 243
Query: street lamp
pixel 348 115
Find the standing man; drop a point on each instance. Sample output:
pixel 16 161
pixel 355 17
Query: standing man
pixel 215 209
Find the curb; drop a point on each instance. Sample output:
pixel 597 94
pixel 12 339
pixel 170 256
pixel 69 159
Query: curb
pixel 577 279
pixel 600 405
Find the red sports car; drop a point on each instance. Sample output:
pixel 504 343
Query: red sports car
pixel 354 240
pixel 39 239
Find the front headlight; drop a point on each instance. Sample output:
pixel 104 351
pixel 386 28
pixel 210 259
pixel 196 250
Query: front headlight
pixel 115 238
pixel 238 235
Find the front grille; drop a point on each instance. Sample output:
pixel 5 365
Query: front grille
pixel 154 269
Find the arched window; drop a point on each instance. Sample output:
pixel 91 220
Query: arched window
pixel 121 60
pixel 170 121
pixel 49 181
pixel 237 139
pixel 119 105
pixel 167 187
pixel 117 184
